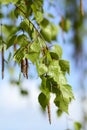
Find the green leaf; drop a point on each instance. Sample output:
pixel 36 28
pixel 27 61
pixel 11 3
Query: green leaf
pixel 8 1
pixel 49 31
pixel 33 56
pixel 52 85
pixel 37 7
pixel 24 25
pixel 19 55
pixel 11 41
pixel 54 70
pixel 56 52
pixel 66 91
pixel 42 69
pixel 22 40
pixel 54 31
pixel 33 52
pixel 43 100
pixel 46 33
pixel 59 112
pixel 63 98
pixel 35 46
pixel 45 86
pixel 21 9
pixel 13 30
pixel 67 25
pixel 44 23
pixel 65 66
pixel 62 79
pixel 77 126
pixel 61 103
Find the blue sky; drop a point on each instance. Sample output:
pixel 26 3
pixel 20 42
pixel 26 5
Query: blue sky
pixel 17 112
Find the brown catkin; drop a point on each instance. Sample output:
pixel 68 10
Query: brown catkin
pixel 14 47
pixel 3 62
pixel 49 112
pixel 62 23
pixel 22 65
pixel 81 8
pixel 26 67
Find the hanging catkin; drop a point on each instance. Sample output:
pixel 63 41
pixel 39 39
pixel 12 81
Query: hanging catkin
pixel 81 8
pixel 14 47
pixel 49 112
pixel 62 25
pixel 2 53
pixel 24 67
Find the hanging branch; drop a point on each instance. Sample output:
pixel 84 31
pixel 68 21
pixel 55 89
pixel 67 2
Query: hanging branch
pixel 81 8
pixel 49 112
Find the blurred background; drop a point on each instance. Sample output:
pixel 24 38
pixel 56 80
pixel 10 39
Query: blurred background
pixel 19 107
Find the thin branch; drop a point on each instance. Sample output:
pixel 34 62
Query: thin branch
pixel 31 23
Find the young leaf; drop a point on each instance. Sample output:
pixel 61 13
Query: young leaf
pixel 43 100
pixel 56 52
pixel 66 91
pixel 66 25
pixel 19 54
pixel 65 67
pixel 33 56
pixel 54 70
pixel 77 126
pixel 8 1
pixel 35 47
pixel 25 25
pixel 42 69
pixel 61 102
pixel 37 7
pixel 11 41
pixel 22 40
pixel 62 79
pixel 59 112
